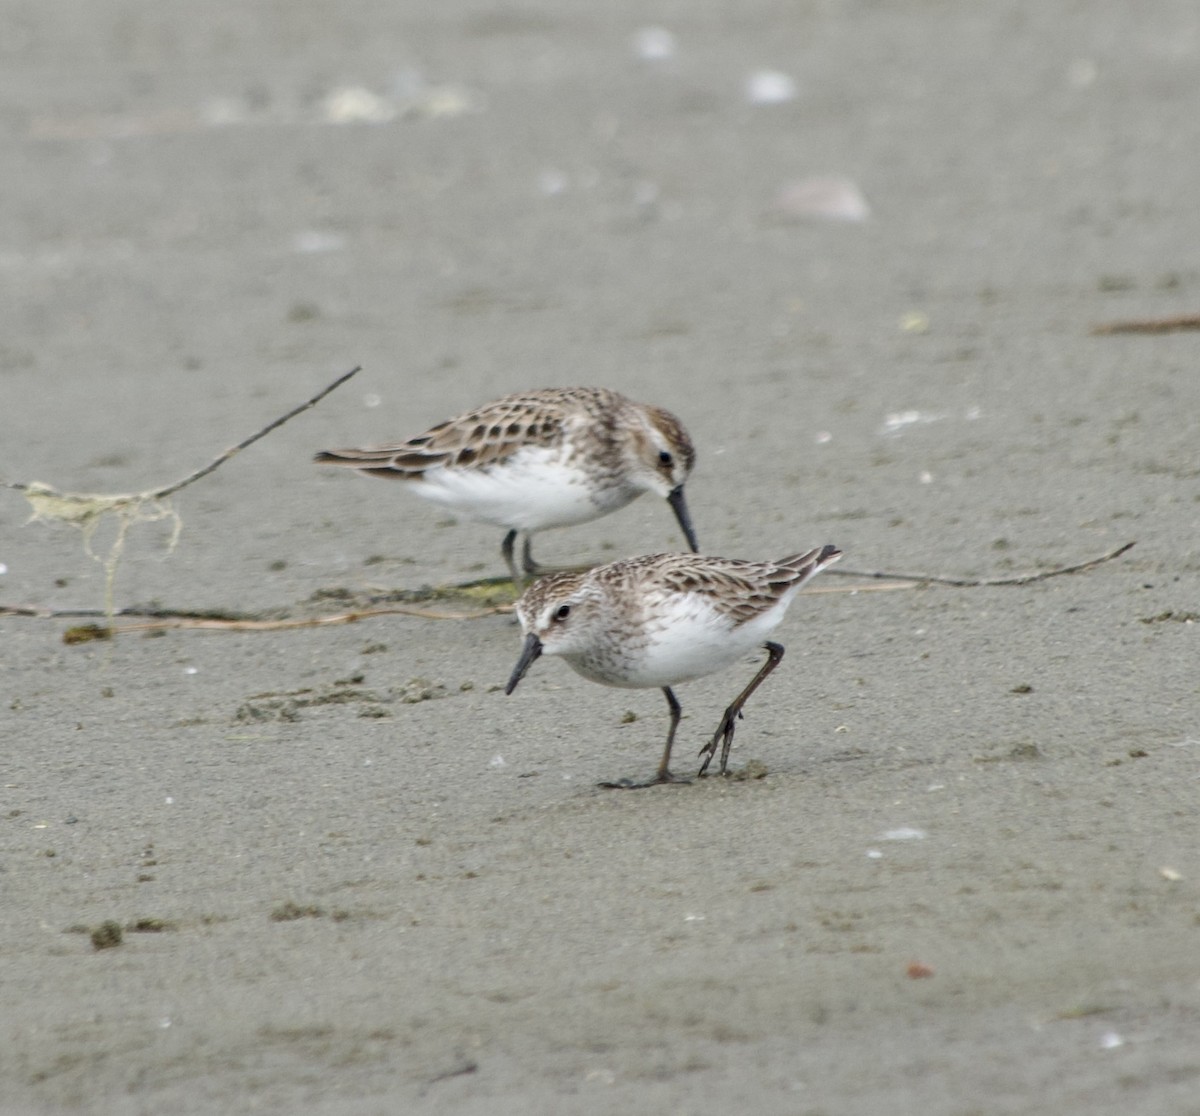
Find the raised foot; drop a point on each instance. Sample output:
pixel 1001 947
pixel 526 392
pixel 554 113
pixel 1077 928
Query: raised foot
pixel 724 734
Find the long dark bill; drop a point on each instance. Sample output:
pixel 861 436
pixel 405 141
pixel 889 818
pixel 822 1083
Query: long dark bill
pixel 531 650
pixel 679 507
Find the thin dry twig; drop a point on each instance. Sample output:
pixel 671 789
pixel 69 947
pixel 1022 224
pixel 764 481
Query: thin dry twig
pixel 309 622
pixel 976 582
pixel 170 489
pixel 191 478
pixel 85 510
pixel 1149 325
pixel 165 619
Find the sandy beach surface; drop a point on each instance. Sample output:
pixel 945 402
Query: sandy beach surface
pixel 348 874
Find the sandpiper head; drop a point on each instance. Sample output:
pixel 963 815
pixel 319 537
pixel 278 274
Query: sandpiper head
pixel 662 460
pixel 556 614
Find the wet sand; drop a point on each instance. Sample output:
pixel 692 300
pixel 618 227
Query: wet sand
pixel 354 877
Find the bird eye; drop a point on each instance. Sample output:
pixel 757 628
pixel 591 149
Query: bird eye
pixel 562 612
pixel 666 458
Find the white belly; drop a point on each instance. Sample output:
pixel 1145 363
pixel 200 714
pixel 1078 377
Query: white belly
pixel 530 491
pixel 685 638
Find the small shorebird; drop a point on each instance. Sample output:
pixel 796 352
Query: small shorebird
pixel 663 619
pixel 540 459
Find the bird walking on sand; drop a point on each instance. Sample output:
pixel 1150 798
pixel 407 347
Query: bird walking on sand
pixel 662 619
pixel 541 459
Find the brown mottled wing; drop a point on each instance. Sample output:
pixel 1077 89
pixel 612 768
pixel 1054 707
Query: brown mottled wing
pixel 480 437
pixel 744 590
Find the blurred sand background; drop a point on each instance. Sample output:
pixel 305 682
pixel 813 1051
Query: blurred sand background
pixel 368 902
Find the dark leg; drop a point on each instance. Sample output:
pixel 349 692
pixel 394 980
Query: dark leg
pixel 725 729
pixel 532 569
pixel 506 548
pixel 663 774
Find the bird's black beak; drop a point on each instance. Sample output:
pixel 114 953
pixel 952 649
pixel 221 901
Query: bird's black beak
pixel 531 650
pixel 679 507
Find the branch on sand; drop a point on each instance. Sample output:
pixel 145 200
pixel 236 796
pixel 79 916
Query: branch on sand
pixel 977 582
pixel 85 511
pixel 160 619
pixel 1149 325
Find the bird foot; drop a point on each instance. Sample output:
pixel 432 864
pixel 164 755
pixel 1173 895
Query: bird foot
pixel 658 780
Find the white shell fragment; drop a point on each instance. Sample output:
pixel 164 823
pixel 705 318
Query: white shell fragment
pixel 903 833
pixel 552 182
pixel 654 44
pixel 770 87
pixel 313 241
pixel 896 421
pixel 823 198
pixel 353 104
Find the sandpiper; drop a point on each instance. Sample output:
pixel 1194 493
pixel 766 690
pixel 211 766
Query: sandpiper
pixel 663 619
pixel 541 459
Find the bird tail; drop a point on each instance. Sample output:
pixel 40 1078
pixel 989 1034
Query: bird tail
pixel 397 462
pixel 810 563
